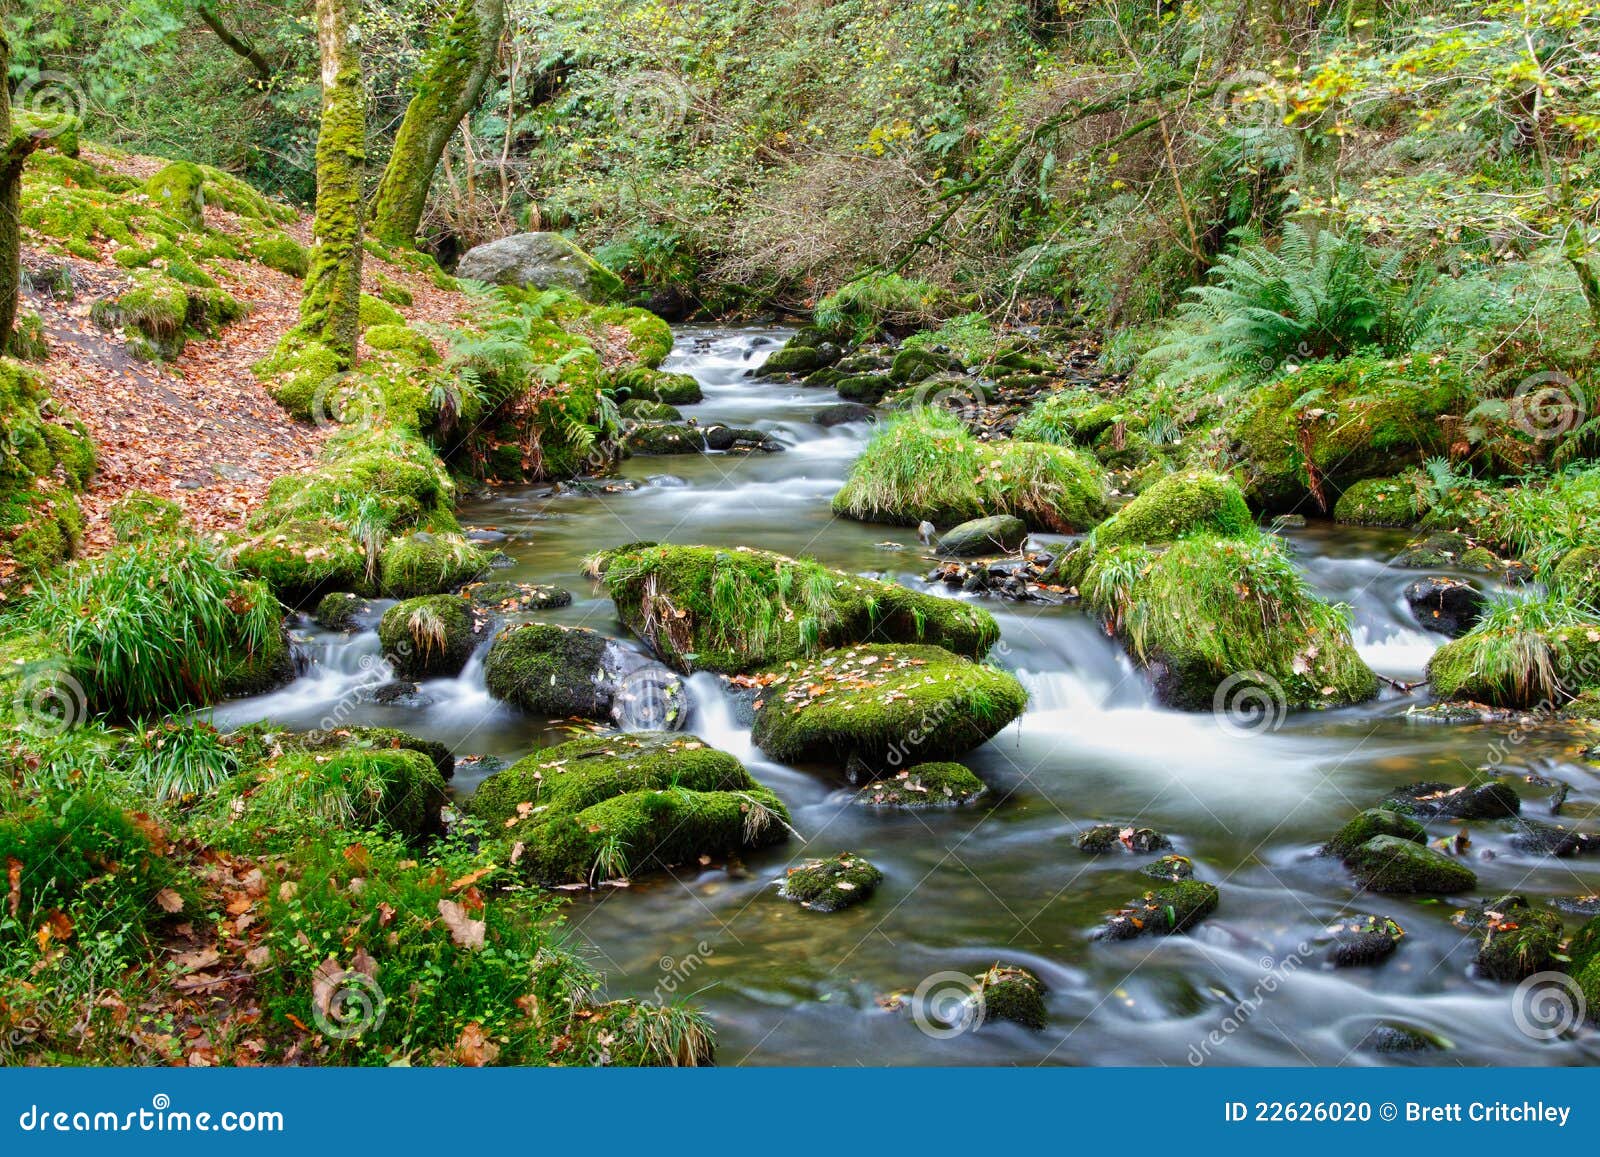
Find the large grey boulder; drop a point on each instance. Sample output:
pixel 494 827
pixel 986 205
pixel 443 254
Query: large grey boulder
pixel 540 260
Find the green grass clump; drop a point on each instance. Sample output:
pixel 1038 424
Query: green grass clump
pixel 703 608
pixel 75 851
pixel 1208 609
pixel 1522 653
pixel 140 514
pixel 610 806
pixel 860 308
pixel 1070 417
pixel 155 626
pixel 925 465
pixel 297 792
pixel 969 336
pixel 887 706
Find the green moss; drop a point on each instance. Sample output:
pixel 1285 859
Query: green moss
pixel 401 337
pixel 654 385
pixel 1175 908
pixel 925 465
pixel 1584 951
pixel 1382 502
pixel 376 311
pixel 424 563
pixel 1521 655
pixel 1395 864
pixel 549 670
pixel 925 785
pixel 277 250
pixel 1014 994
pixel 1228 617
pixel 647 411
pixel 370 787
pixel 393 292
pixel 649 338
pixel 883 705
pixel 1515 940
pixel 77 851
pixel 1072 417
pixel 1577 576
pixel 428 637
pixel 701 608
pixel 372 739
pixel 179 189
pixel 1172 508
pixel 1369 825
pixel 1103 838
pixel 660 438
pixel 860 308
pixel 28 340
pixel 831 884
pixel 256 667
pixel 339 611
pixel 607 806
pixel 40 527
pixel 301 559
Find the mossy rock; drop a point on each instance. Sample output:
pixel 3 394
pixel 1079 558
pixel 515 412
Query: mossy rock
pixel 1175 908
pixel 1228 624
pixel 1439 549
pixel 1504 664
pixel 1369 825
pixel 612 805
pixel 28 340
pixel 868 389
pixel 179 189
pixel 257 670
pixel 703 608
pixel 1583 950
pixel 41 526
pixel 511 597
pixel 303 559
pixel 1173 868
pixel 649 338
pixel 1174 507
pixel 997 534
pixel 429 637
pixel 423 564
pixel 1072 417
pixel 917 364
pixel 139 514
pixel 925 785
pixel 1515 940
pixel 924 465
pixel 644 410
pixel 1006 992
pixel 340 611
pixel 883 705
pixel 1357 941
pixel 1104 838
pixel 373 739
pixel 830 884
pixel 656 438
pixel 1473 801
pixel 1577 575
pixel 375 311
pixel 1381 502
pixel 540 261
pixel 552 670
pixel 403 338
pixel 1393 864
pixel 277 250
pixel 642 383
pixel 1343 422
pixel 368 787
pixel 791 359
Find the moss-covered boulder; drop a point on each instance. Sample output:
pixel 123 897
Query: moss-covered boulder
pixel 791 359
pixel 609 806
pixel 516 598
pixel 179 189
pixel 1382 502
pixel 349 785
pixel 1228 624
pixel 552 670
pixel 655 438
pixel 302 559
pixel 1172 868
pixel 648 339
pixel 279 251
pixel 370 739
pixel 428 637
pixel 1369 825
pixel 883 705
pixel 925 785
pixel 1519 657
pixel 1330 425
pixel 1355 941
pixel 340 611
pixel 924 465
pixel 640 383
pixel 1583 950
pixel 1394 864
pixel 1492 800
pixel 255 669
pixel 1175 908
pixel 997 534
pixel 644 410
pixel 827 885
pixel 1007 992
pixel 424 563
pixel 1450 606
pixel 705 608
pixel 1515 940
pixel 539 261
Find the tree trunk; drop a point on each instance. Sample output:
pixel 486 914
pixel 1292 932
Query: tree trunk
pixel 446 92
pixel 212 19
pixel 330 310
pixel 16 146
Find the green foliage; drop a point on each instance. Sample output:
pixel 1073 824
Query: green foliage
pixel 1522 653
pixel 859 309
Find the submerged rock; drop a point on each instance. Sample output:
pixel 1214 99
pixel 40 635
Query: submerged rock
pixel 997 534
pixel 1541 839
pixel 1482 801
pixel 828 885
pixel 558 671
pixel 1115 837
pixel 611 806
pixel 1175 908
pixel 1450 606
pixel 925 785
pixel 1392 864
pixel 1355 941
pixel 885 705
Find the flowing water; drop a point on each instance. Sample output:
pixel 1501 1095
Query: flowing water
pixel 1002 880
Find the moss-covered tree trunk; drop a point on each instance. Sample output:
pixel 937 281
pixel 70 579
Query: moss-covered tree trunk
pixel 17 145
pixel 330 311
pixel 446 91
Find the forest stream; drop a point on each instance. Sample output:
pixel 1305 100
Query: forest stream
pixel 1002 881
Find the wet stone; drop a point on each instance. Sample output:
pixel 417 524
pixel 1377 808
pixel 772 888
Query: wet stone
pixel 1104 838
pixel 1355 941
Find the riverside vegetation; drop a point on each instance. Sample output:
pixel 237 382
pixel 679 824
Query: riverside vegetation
pixel 1127 298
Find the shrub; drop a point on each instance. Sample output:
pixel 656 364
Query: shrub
pixel 860 308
